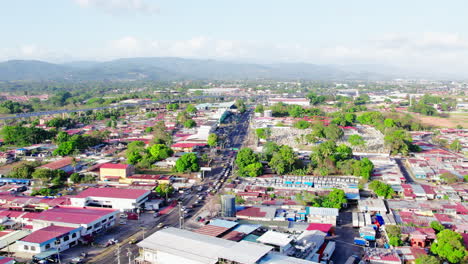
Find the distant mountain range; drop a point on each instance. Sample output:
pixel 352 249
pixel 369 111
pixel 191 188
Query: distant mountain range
pixel 167 69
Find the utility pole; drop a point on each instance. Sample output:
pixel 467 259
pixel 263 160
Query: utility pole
pixel 118 253
pixel 129 254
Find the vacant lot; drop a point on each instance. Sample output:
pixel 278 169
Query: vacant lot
pixel 450 122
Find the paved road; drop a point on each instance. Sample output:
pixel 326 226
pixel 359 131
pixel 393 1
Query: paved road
pixel 237 135
pixel 110 254
pixel 404 171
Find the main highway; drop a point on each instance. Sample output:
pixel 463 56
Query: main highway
pixel 236 136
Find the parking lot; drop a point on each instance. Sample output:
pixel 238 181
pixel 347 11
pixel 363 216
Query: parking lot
pixel 344 237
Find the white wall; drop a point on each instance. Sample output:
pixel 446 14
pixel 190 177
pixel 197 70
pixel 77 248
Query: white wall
pixel 166 258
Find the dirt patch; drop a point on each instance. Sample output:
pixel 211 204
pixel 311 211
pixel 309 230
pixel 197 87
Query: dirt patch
pixel 5 169
pixel 449 122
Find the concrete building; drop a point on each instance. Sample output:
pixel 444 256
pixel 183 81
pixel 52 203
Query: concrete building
pixel 64 164
pixel 172 245
pixel 280 242
pixel 51 238
pixel 121 199
pixel 115 172
pixel 322 215
pixel 92 220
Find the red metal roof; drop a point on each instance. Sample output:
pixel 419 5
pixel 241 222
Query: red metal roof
pixel 47 233
pixel 187 145
pixel 58 164
pixel 4 260
pixel 110 192
pixel 251 212
pixel 319 226
pixel 211 230
pixel 149 177
pixel 234 236
pixel 73 215
pixel 443 218
pixel 114 166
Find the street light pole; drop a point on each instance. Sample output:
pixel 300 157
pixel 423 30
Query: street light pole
pixel 180 214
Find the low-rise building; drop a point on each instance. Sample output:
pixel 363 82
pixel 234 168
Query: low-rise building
pixel 121 199
pixel 322 215
pixel 51 238
pixel 115 172
pixel 172 245
pixel 64 164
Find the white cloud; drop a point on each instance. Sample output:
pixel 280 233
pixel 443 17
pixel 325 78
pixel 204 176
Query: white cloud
pixel 430 51
pixel 140 6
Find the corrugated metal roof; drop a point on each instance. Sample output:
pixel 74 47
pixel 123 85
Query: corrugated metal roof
pixel 203 248
pixel 322 211
pixel 223 223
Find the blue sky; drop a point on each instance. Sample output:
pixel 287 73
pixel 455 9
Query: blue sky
pixel 415 34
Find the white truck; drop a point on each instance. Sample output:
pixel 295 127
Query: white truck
pixel 328 251
pixel 355 220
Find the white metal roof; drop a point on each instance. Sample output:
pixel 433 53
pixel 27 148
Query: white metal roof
pixel 275 238
pixel 275 258
pixel 203 248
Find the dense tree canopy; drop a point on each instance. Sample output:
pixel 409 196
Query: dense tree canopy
pixel 283 161
pixel 449 245
pixel 356 140
pixel 188 162
pixel 381 189
pixel 248 163
pixel 23 136
pixel 160 151
pixel 212 140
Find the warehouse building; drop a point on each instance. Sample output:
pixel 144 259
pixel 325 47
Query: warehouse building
pixel 173 245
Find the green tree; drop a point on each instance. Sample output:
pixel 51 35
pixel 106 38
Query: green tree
pixel 252 170
pixel 427 259
pixel 437 226
pixel 23 171
pixel 212 140
pixel 62 137
pixel 283 161
pixel 191 109
pixel 259 109
pixel 455 145
pixel 335 199
pixel 263 133
pixel 449 178
pixel 315 99
pixel 160 151
pixel 381 189
pixel 240 105
pixel 65 148
pixel 356 140
pixel 172 107
pixel 75 177
pixel 188 162
pixel 449 245
pixel 189 123
pixel 395 241
pixel 343 152
pixel 245 157
pixel 333 132
pixel 302 124
pixel 164 190
pixel 399 141
pixel 269 148
pixel 296 111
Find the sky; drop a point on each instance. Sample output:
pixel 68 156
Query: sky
pixel 423 35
